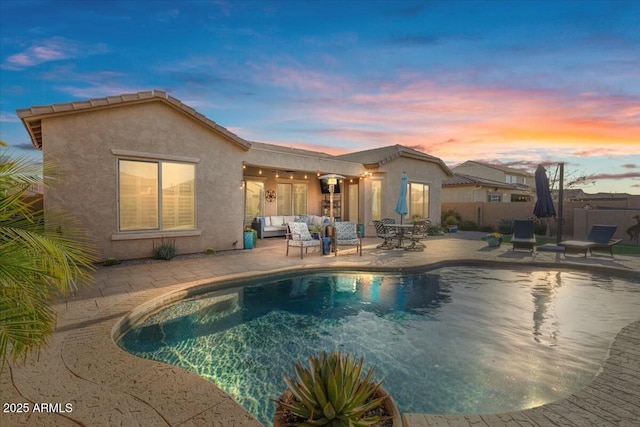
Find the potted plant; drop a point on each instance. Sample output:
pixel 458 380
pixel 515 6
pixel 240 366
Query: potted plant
pixel 332 393
pixel 494 239
pixel 248 238
pixel 316 231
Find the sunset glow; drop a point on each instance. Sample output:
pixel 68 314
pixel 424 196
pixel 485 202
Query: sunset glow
pixel 518 82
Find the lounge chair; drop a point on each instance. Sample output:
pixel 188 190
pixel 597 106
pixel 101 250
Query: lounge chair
pixel 298 235
pixel 600 237
pixel 346 234
pixel 523 237
pixel 387 235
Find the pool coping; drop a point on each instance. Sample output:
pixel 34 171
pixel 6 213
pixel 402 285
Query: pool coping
pixel 108 386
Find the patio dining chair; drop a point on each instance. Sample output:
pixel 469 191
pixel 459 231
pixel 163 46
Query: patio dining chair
pixel 298 235
pixel 388 235
pixel 417 235
pixel 346 234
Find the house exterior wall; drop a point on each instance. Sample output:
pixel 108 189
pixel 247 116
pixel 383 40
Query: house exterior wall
pixel 390 174
pixel 470 194
pixel 464 194
pixel 81 145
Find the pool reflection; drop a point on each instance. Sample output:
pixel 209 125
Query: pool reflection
pixel 339 296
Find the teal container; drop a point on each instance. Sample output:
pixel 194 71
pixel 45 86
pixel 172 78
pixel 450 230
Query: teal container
pixel 248 239
pixel 361 229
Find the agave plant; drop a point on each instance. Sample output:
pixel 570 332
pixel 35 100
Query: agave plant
pixel 332 393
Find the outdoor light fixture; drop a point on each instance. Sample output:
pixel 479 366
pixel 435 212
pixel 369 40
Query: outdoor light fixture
pixel 259 171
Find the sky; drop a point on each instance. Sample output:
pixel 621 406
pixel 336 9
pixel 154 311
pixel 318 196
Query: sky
pixel 517 82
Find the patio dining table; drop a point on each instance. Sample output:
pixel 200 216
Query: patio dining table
pixel 400 230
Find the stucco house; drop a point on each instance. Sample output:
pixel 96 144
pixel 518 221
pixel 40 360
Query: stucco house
pixel 138 168
pixel 486 182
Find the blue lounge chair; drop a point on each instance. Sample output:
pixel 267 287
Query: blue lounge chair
pixel 523 237
pixel 600 237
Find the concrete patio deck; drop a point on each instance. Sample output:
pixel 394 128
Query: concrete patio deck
pixel 106 386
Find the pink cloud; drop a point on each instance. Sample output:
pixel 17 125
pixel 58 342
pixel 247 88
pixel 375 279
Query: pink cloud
pixel 493 121
pixel 54 49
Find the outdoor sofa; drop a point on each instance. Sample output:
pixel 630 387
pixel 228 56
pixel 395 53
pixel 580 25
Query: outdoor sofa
pixel 276 225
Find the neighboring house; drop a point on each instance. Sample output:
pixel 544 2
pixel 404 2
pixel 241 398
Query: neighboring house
pixel 465 188
pixel 139 168
pixel 487 182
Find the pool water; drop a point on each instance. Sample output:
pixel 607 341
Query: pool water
pixel 448 341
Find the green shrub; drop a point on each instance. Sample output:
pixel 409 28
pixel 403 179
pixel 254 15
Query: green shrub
pixel 539 227
pixel 210 251
pixel 506 225
pixel 332 393
pixel 110 261
pixel 451 213
pixel 467 225
pixel 451 220
pixel 166 250
pixel 435 230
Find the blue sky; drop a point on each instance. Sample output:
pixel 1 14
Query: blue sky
pixel 516 81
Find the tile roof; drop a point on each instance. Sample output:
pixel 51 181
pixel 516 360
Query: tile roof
pixel 499 167
pixel 382 155
pixel 459 179
pixel 32 117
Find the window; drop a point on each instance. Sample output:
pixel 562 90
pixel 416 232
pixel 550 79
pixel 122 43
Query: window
pixel 291 198
pixel 253 200
pixel 156 195
pixel 491 198
pixel 418 200
pixel 376 200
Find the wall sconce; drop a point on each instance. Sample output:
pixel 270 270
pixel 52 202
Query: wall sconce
pixel 242 184
pixel 244 166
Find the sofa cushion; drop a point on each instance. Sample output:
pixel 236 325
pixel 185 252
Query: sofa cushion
pixel 288 218
pixel 303 218
pixel 276 220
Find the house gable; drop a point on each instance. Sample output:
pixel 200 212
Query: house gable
pixel 32 117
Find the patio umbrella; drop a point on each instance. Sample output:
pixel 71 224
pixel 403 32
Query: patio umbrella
pixel 544 205
pixel 401 206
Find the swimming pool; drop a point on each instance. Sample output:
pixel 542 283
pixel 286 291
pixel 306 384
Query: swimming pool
pixel 453 340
